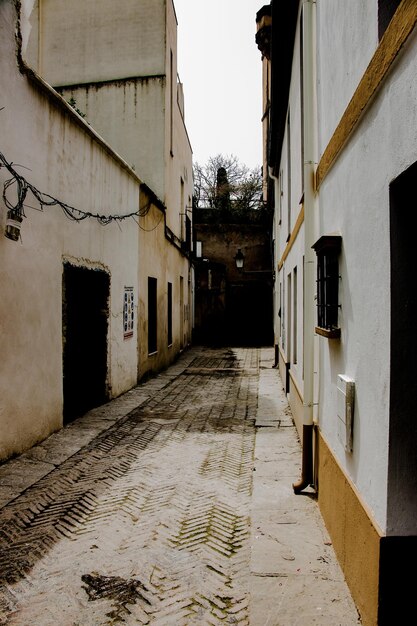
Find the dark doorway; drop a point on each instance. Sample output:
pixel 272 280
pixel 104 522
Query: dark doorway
pixel 399 546
pixel 85 323
pixel 402 495
pixel 249 314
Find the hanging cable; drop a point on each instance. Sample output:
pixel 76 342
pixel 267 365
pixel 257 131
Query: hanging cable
pixel 23 187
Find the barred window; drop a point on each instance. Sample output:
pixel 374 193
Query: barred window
pixel 327 249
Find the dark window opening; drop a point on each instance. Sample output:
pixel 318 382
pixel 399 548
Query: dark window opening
pixel 386 10
pixel 327 249
pixel 169 314
pixel 188 233
pixel 152 315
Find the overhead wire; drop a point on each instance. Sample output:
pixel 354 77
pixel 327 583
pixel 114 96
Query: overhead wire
pixel 46 200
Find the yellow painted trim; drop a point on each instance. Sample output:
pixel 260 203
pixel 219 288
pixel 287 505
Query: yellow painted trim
pixel 397 33
pixel 293 237
pixel 352 486
pixel 297 388
pixel 355 537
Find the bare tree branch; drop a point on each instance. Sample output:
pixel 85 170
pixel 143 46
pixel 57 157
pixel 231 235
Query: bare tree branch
pixel 244 185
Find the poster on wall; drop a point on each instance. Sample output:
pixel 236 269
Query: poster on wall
pixel 128 313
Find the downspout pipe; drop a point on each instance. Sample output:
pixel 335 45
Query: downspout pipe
pixel 275 236
pixel 309 122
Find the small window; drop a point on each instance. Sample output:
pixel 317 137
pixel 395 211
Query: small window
pixel 294 315
pixel 169 321
pixel 152 315
pixel 327 249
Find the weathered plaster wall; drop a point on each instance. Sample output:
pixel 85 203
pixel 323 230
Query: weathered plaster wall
pixel 130 116
pixel 178 153
pixel 119 62
pixel 64 159
pixel 81 42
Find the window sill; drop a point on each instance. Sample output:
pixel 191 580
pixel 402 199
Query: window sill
pixel 325 332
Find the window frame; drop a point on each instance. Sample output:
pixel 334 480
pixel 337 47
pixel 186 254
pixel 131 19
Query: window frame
pixel 328 249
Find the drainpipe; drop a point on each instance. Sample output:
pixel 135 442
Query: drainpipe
pixel 275 234
pixel 309 121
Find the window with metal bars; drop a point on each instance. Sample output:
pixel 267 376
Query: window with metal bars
pixel 327 249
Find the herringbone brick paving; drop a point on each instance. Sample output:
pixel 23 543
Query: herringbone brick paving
pixel 149 522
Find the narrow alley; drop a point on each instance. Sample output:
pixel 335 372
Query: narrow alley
pixel 172 504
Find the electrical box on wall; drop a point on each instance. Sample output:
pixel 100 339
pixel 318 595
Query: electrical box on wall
pixel 345 410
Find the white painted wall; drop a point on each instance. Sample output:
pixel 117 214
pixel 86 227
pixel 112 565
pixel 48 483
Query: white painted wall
pixel 289 189
pixel 347 39
pixel 66 160
pixel 354 200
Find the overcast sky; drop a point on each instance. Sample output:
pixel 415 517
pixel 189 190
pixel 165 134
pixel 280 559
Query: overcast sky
pixel 220 67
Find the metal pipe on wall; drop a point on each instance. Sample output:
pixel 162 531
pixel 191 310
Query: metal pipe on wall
pixel 310 201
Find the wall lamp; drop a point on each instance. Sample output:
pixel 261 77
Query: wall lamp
pixel 239 259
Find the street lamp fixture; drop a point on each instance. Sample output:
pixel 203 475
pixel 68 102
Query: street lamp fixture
pixel 239 259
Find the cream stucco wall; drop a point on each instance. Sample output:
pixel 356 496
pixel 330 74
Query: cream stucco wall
pixel 59 154
pixel 165 262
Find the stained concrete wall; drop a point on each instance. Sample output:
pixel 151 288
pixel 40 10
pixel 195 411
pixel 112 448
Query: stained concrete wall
pixel 85 41
pixel 61 155
pixel 119 62
pixel 130 116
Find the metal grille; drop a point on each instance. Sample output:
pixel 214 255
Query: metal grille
pixel 327 291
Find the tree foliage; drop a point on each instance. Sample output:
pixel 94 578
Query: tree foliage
pixel 226 184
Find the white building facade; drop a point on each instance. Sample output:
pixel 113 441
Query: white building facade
pixel 342 155
pixel 117 63
pixel 96 287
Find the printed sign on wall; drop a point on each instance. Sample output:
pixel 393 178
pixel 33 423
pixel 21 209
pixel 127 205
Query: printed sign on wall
pixel 128 313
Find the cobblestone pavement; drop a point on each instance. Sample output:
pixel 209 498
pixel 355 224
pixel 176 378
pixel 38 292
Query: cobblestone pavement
pixel 157 508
